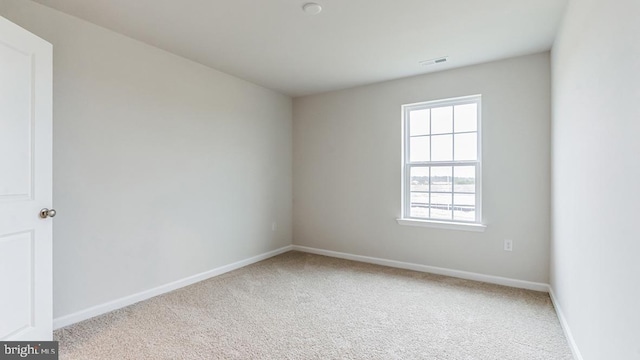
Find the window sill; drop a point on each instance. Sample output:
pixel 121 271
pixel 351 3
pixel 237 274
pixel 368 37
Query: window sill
pixel 443 225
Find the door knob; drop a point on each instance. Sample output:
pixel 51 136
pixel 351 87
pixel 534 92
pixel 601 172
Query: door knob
pixel 45 213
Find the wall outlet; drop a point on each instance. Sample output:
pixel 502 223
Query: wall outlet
pixel 274 226
pixel 508 245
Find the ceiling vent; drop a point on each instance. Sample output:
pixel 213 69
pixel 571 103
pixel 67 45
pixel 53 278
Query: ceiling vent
pixel 434 61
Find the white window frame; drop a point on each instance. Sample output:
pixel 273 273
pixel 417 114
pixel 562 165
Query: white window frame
pixel 406 219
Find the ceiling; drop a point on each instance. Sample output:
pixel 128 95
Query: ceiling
pixel 273 43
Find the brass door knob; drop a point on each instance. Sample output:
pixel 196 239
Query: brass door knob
pixel 45 213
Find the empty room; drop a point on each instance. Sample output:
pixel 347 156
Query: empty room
pixel 319 179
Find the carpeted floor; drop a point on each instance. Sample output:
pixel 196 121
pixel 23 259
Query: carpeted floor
pixel 302 306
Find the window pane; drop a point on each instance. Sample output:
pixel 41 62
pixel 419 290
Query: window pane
pixel 464 213
pixel 465 179
pixel 419 199
pixel 419 178
pixel 442 120
pixel 466 117
pixel 419 212
pixel 442 148
pixel 464 199
pixel 441 206
pixel 466 146
pixel 419 148
pixel 441 178
pixel 419 122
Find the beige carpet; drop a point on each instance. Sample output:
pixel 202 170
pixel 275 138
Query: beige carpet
pixel 301 306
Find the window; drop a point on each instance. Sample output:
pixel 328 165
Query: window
pixel 442 161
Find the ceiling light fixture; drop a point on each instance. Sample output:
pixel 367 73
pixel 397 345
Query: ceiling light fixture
pixel 312 8
pixel 434 61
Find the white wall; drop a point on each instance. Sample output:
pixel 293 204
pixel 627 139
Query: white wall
pixel 595 267
pixel 163 168
pixel 347 162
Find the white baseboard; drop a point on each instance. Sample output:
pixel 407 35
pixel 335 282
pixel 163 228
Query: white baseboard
pixel 147 294
pixel 565 326
pixel 429 269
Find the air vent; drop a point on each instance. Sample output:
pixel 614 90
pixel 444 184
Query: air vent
pixel 434 61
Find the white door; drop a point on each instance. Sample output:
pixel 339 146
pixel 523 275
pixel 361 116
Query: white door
pixel 25 184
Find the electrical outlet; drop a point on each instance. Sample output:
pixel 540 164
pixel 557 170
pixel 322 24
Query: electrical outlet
pixel 274 226
pixel 508 245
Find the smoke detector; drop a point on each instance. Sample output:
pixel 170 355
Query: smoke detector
pixel 312 8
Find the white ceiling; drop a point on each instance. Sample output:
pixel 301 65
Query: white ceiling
pixel 352 42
